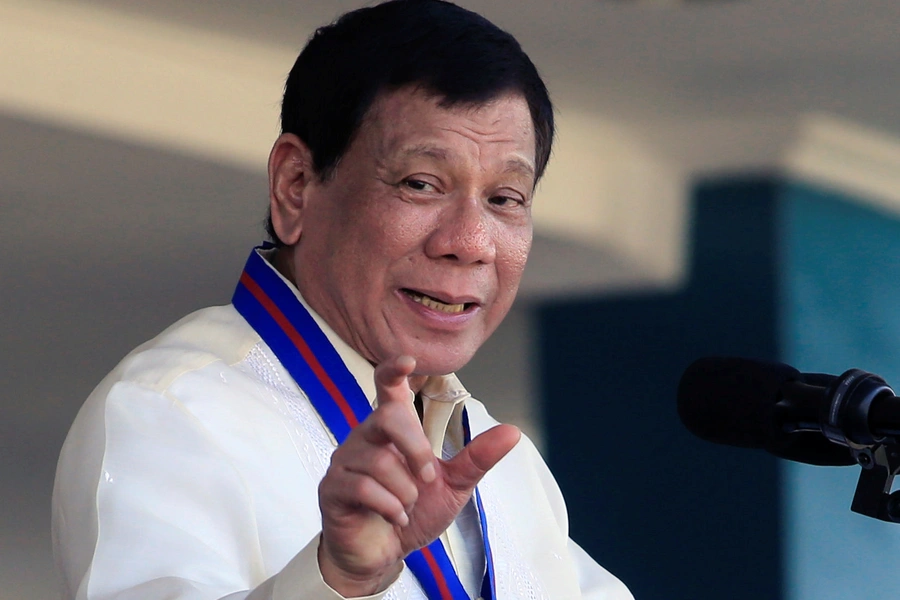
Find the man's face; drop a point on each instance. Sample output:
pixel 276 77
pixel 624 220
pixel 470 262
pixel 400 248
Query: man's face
pixel 417 244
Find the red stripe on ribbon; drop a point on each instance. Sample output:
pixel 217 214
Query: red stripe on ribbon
pixel 303 348
pixel 438 574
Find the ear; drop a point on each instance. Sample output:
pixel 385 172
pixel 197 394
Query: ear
pixel 290 172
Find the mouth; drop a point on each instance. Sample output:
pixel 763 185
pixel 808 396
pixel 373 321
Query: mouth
pixel 437 304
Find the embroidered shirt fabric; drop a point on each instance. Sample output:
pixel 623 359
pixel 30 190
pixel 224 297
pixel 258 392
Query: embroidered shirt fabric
pixel 191 473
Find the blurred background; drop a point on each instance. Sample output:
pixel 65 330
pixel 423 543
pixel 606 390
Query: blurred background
pixel 726 180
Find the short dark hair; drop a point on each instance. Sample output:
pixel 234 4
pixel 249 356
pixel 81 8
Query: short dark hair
pixel 449 51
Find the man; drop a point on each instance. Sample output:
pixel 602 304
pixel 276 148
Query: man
pixel 204 466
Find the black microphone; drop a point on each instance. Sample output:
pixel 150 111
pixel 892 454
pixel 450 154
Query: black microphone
pixel 806 417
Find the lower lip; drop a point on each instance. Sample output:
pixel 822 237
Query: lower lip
pixel 437 317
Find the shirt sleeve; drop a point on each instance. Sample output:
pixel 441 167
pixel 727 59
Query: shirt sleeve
pixel 148 505
pixel 596 583
pixel 301 578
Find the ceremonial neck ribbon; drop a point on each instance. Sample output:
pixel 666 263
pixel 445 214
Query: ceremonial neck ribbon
pixel 269 305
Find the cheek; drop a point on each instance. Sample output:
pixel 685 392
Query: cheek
pixel 402 231
pixel 513 258
pixel 380 250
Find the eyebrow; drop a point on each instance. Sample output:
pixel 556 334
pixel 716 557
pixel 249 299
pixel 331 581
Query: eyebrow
pixel 513 165
pixel 520 166
pixel 428 150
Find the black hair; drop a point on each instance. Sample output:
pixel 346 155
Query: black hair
pixel 453 53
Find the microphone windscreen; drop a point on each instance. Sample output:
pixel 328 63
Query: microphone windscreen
pixel 732 401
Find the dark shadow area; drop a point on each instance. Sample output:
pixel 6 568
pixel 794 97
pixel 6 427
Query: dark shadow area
pixel 674 517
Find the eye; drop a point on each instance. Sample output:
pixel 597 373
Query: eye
pixel 506 201
pixel 417 185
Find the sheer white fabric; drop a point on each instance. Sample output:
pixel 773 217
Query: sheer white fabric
pixel 191 473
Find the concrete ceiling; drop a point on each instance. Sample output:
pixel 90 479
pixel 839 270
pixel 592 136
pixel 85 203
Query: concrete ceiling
pixel 650 59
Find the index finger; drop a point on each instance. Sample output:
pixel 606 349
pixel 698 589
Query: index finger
pixel 403 430
pixel 392 380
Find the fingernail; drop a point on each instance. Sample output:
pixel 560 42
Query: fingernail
pixel 427 473
pixel 403 519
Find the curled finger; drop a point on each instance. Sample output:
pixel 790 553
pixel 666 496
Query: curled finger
pixel 397 426
pixel 357 491
pixel 387 467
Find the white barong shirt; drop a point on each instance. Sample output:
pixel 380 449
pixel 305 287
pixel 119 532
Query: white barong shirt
pixel 191 473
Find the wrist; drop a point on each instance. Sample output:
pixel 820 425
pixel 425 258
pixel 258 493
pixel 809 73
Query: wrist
pixel 351 583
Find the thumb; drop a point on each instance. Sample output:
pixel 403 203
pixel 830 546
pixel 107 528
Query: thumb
pixel 465 470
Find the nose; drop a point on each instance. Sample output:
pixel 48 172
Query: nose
pixel 463 234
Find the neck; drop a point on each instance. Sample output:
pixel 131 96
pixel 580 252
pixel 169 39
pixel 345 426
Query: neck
pixel 283 261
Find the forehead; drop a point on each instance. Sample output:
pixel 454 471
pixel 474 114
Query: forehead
pixel 411 117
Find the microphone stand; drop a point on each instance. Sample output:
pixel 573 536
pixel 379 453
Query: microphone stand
pixel 855 403
pixel 873 497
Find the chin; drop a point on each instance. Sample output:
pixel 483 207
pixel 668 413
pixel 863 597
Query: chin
pixel 435 353
pixel 430 363
pixel 431 359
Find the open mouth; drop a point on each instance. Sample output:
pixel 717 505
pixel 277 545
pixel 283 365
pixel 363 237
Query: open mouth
pixel 435 304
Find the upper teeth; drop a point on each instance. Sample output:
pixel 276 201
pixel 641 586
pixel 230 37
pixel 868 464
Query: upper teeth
pixel 436 304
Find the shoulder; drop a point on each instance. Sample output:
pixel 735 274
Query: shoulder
pixel 183 371
pixel 157 386
pixel 179 424
pixel 209 335
pixel 199 340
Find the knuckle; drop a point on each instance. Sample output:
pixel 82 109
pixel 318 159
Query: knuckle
pixel 335 460
pixel 410 494
pixel 396 410
pixel 324 488
pixel 361 487
pixel 383 462
pixel 421 453
pixel 380 418
pixel 385 413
